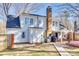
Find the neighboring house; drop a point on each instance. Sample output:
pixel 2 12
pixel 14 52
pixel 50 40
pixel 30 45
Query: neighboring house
pixel 59 26
pixel 56 27
pixel 28 28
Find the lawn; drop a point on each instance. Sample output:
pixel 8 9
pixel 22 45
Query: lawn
pixel 37 50
pixel 74 51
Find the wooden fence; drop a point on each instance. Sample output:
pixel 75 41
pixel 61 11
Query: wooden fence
pixel 73 36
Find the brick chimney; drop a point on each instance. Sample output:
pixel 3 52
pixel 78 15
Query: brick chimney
pixel 49 21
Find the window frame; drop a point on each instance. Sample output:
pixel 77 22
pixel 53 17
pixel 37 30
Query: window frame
pixel 31 22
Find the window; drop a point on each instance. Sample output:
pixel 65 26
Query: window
pixel 26 20
pixel 23 34
pixel 40 23
pixel 55 23
pixel 31 21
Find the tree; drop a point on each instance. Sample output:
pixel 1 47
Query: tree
pixel 72 10
pixel 19 8
pixel 75 26
pixel 28 7
pixel 66 15
pixel 4 9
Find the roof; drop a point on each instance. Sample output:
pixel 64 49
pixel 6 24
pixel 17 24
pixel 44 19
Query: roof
pixel 35 15
pixel 36 27
pixel 13 22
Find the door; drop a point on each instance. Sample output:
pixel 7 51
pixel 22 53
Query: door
pixel 56 34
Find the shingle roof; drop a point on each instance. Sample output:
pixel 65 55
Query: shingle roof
pixel 13 22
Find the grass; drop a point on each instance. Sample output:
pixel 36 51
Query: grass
pixel 39 50
pixel 74 51
pixel 3 42
pixel 44 54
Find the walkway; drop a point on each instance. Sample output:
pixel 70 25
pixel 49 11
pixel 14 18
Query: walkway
pixel 61 50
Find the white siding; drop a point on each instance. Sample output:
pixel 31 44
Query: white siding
pixel 25 28
pixel 43 19
pixel 55 27
pixel 36 35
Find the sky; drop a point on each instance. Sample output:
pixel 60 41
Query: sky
pixel 55 10
pixel 40 11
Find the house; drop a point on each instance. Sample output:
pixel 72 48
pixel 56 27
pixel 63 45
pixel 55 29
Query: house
pixel 27 28
pixel 33 26
pixel 61 28
pixel 30 28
